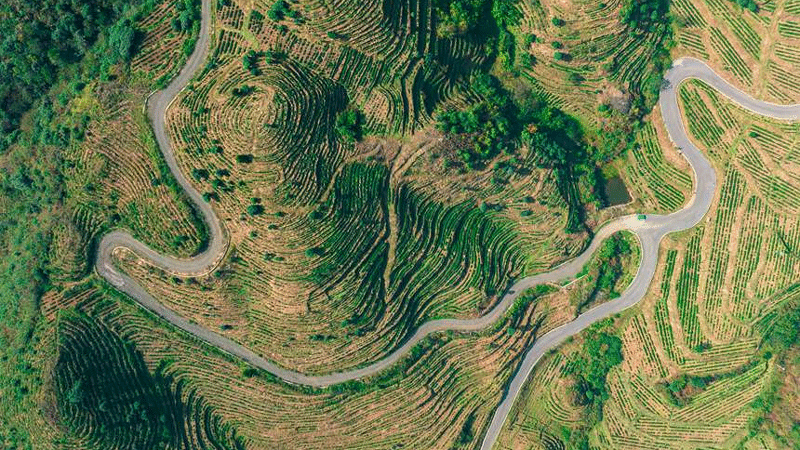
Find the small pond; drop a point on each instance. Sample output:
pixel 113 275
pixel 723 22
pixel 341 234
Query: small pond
pixel 615 191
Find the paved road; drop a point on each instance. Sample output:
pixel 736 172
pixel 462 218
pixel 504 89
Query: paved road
pixel 649 233
pixel 652 230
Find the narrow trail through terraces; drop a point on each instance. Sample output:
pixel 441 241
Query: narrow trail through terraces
pixel 649 232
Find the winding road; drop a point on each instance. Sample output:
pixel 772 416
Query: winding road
pixel 649 232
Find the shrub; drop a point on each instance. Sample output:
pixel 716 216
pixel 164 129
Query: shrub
pixel 249 372
pixel 575 77
pixel 244 159
pixel 314 251
pixel 250 62
pixel 785 332
pixel 255 210
pixel 278 10
pixel 747 4
pixel 526 60
pixel 348 125
pixel 243 91
pixel 529 39
pixel 200 174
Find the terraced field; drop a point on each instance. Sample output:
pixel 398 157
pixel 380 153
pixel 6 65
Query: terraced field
pixel 757 51
pixel 111 400
pixel 298 288
pixel 607 59
pixel 335 250
pixel 451 381
pixel 656 173
pixel 116 176
pixel 713 285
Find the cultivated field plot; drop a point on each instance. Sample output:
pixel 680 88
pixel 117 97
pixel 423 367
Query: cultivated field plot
pixel 583 55
pixel 116 176
pixel 448 385
pixel 339 251
pixel 691 376
pixel 169 34
pixel 659 177
pixel 759 52
pixel 448 388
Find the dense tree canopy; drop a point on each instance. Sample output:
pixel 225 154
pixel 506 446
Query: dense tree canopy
pixel 649 17
pixel 487 125
pixel 460 16
pixel 644 15
pixel 601 352
pixel 349 125
pixel 37 38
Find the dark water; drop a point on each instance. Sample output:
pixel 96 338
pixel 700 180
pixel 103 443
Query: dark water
pixel 615 191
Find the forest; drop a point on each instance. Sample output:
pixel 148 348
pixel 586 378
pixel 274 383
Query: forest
pixel 42 41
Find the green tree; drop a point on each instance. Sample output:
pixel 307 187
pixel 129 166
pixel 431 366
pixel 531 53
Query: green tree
pixel 601 352
pixel 75 394
pixel 255 210
pixel 349 125
pixel 120 41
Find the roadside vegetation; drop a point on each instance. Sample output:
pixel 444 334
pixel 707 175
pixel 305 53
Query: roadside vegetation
pixel 377 165
pixel 109 398
pixel 608 274
pixel 710 356
pixel 56 197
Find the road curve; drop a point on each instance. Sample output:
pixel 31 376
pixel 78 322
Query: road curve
pixel 649 232
pixel 652 230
